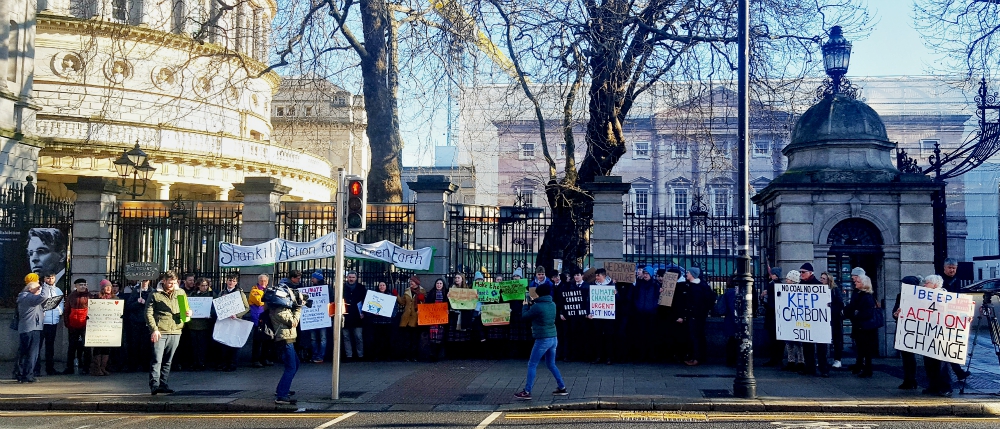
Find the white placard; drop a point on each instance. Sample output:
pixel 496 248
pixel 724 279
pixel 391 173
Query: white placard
pixel 317 316
pixel 104 322
pixel 802 313
pixel 232 332
pixel 201 307
pixel 227 305
pixel 379 304
pixel 602 302
pixel 281 250
pixel 934 323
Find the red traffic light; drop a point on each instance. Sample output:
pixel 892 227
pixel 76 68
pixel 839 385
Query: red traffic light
pixel 354 188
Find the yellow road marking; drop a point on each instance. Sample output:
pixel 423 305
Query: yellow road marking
pixel 249 415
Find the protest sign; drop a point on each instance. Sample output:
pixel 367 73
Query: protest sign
pixel 802 313
pixel 228 305
pixel 201 307
pixel 602 302
pixel 281 250
pixel 463 299
pixel 513 290
pixel 432 314
pixel 934 323
pixel 104 323
pixel 574 303
pixel 496 314
pixel 379 304
pixel 488 292
pixel 621 272
pixel 315 317
pixel 183 306
pixel 669 286
pixel 590 275
pixel 137 271
pixel 232 332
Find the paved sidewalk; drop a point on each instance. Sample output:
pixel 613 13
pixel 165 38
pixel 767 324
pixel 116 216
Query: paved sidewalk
pixel 489 385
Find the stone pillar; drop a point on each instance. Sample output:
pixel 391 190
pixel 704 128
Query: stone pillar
pixel 431 226
pixel 261 202
pixel 606 240
pixel 95 201
pixel 163 190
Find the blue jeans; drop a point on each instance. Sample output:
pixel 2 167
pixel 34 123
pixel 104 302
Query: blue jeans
pixel 163 357
pixel 318 339
pixel 291 362
pixel 544 348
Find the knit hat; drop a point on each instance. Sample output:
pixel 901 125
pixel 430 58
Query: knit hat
pixel 539 270
pixel 478 276
pixel 695 272
pixel 317 275
pixel 518 273
pixel 912 280
pixel 793 277
pixel 806 267
pixel 31 277
pixel 415 279
pixel 105 282
pixel 776 271
pixel 858 271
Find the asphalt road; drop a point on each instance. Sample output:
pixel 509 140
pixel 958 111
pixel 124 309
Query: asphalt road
pixel 479 420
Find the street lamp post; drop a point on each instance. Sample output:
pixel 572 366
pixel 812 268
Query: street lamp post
pixel 134 163
pixel 744 385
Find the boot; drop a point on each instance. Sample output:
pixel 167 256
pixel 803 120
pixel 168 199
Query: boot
pixel 104 365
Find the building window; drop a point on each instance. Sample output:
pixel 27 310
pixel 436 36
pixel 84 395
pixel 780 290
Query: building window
pixel 720 202
pixel 309 111
pixel 561 153
pixel 280 111
pixel 681 150
pixel 527 197
pixel 761 149
pixel 680 202
pixel 640 150
pixel 291 110
pixel 641 200
pixel 927 147
pixel 118 10
pixel 639 248
pixel 527 151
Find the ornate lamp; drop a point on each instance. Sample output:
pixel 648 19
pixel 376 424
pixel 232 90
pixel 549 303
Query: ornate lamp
pixel 134 163
pixel 836 60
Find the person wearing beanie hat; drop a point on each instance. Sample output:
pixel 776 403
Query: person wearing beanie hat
pixel 316 347
pixel 694 272
pixel 518 273
pixel 478 277
pixel 857 272
pixel 696 300
pixel 409 299
pixel 806 276
pixel 31 277
pixel 317 278
pixel 541 313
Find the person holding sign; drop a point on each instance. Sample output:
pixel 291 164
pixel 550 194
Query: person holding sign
pixel 938 378
pixel 29 330
pixel 572 310
pixel 541 313
pixel 436 333
pixel 408 322
pixel 99 363
pixel 165 321
pixel 227 362
pixel 381 330
pixel 909 359
pixel 200 328
pixel 352 333
pixel 603 329
pixel 864 324
pixel 135 327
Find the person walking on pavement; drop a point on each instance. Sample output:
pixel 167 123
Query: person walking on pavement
pixel 285 318
pixel 165 322
pixel 50 325
pixel 29 330
pixel 541 313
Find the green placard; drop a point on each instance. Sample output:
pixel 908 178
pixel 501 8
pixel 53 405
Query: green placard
pixel 182 305
pixel 488 292
pixel 513 290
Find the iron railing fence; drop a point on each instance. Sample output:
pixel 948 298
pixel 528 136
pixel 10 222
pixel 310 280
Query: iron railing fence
pixel 494 240
pixel 179 235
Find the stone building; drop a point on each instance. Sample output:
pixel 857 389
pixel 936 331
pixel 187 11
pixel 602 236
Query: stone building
pixel 18 148
pixel 323 119
pixel 168 75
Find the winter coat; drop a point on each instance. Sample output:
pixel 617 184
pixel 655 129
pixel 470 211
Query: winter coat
pixel 409 303
pixel 77 303
pixel 256 303
pixel 542 315
pixel 29 309
pixel 646 296
pixel 135 312
pixel 352 297
pixel 52 316
pixel 284 321
pixel 163 313
pixel 861 309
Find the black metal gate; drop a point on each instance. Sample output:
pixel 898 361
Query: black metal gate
pixel 35 235
pixel 494 240
pixel 180 235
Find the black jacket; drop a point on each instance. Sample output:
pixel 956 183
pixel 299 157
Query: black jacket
pixel 352 297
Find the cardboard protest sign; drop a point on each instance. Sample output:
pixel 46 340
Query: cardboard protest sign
pixel 201 307
pixel 590 275
pixel 488 292
pixel 575 304
pixel 315 317
pixel 432 314
pixel 802 313
pixel 232 332
pixel 496 314
pixel 934 323
pixel 621 272
pixel 669 286
pixel 137 271
pixel 379 304
pixel 463 299
pixel 183 307
pixel 513 290
pixel 104 323
pixel 602 302
pixel 228 305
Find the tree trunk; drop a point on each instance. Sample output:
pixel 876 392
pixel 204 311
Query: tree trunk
pixel 384 185
pixel 568 236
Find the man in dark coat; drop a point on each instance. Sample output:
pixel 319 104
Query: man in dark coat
pixel 140 348
pixel 354 293
pixel 813 352
pixel 699 300
pixel 645 300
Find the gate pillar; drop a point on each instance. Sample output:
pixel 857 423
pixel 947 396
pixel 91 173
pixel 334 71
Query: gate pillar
pixel 431 222
pixel 95 201
pixel 606 240
pixel 261 203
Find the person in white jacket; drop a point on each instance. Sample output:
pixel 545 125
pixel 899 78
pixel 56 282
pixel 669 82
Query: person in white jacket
pixel 50 325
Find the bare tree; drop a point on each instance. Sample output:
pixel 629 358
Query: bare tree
pixel 967 32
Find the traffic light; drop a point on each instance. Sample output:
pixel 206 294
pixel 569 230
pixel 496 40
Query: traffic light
pixel 357 196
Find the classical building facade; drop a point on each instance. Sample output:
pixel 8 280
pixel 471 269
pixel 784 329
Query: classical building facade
pixel 181 80
pixel 18 149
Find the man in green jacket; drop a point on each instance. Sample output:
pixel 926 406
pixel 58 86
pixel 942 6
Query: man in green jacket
pixel 541 313
pixel 164 320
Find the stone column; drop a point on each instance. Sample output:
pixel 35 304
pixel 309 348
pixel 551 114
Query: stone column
pixel 163 190
pixel 95 201
pixel 431 226
pixel 261 203
pixel 606 241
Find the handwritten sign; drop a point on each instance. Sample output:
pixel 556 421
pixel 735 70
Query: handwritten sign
pixel 228 305
pixel 933 323
pixel 232 332
pixel 496 314
pixel 621 272
pixel 513 290
pixel 669 286
pixel 432 314
pixel 802 313
pixel 574 304
pixel 315 317
pixel 201 307
pixel 104 323
pixel 462 298
pixel 379 304
pixel 488 292
pixel 602 302
pixel 137 271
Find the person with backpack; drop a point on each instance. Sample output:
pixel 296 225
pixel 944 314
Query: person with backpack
pixel 76 327
pixel 284 309
pixel 165 322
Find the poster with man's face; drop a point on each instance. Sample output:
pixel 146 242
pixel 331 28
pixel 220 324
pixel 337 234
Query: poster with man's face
pixel 47 252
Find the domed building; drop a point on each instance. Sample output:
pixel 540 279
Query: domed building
pixel 185 83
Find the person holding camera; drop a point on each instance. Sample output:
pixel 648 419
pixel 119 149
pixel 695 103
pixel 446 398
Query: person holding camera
pixel 284 306
pixel 541 313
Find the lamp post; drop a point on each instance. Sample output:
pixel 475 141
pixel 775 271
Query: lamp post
pixel 744 385
pixel 134 163
pixel 836 59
